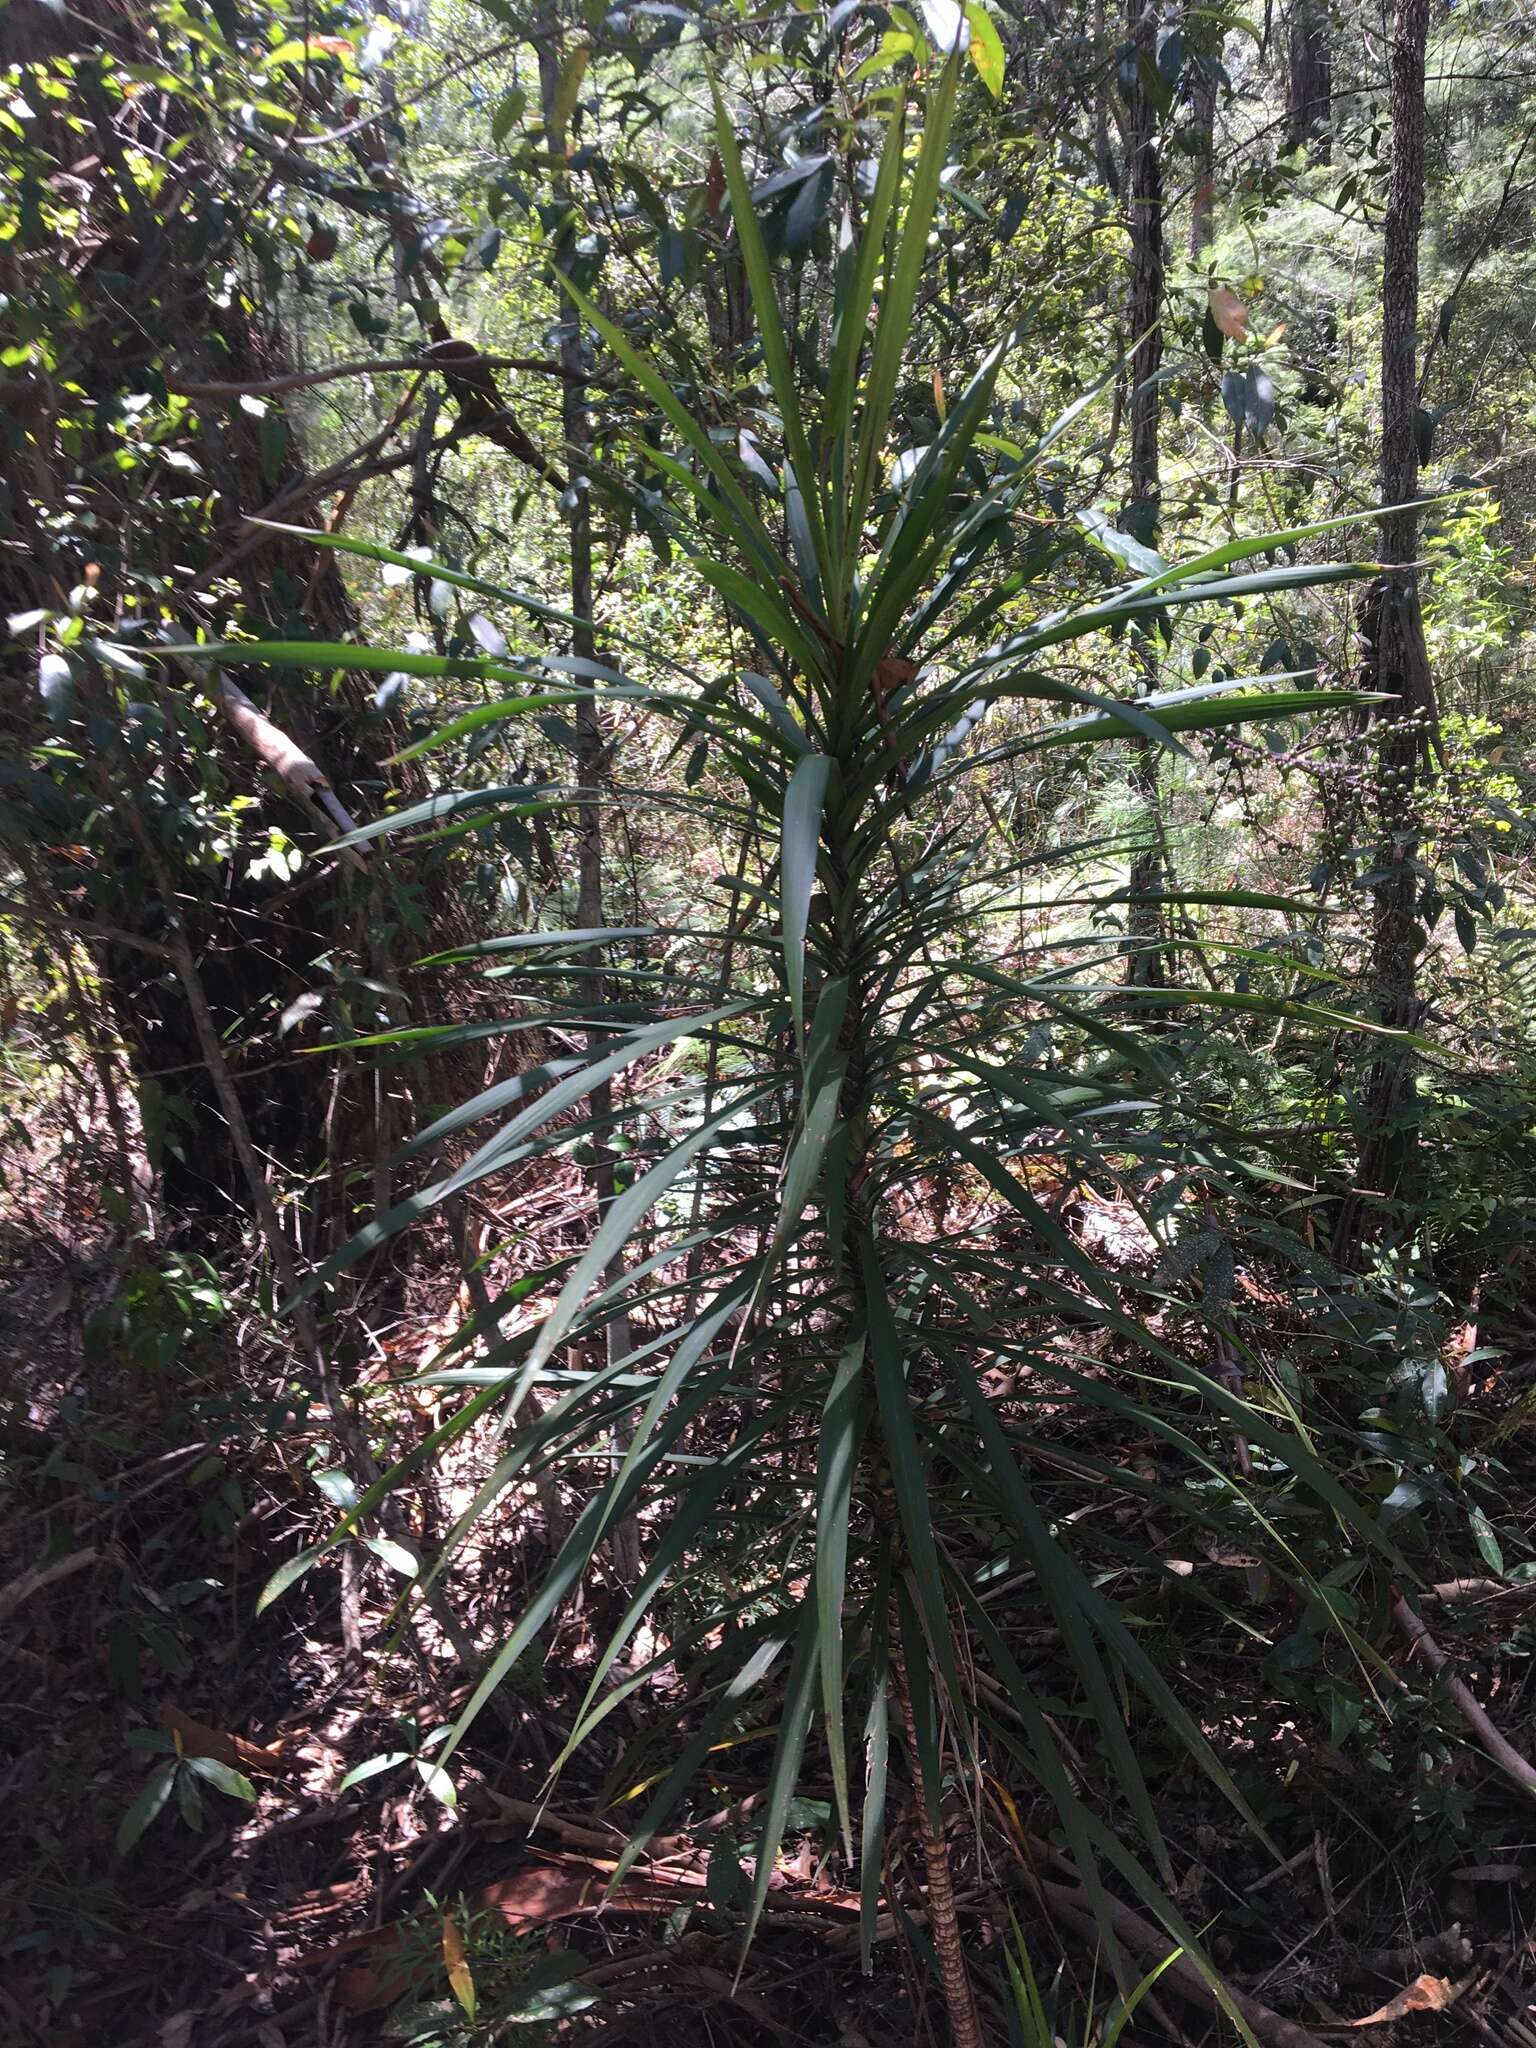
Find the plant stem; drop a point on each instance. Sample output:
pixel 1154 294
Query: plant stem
pixel 943 1918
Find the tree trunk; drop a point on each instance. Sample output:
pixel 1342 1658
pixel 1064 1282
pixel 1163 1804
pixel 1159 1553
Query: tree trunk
pixel 1396 659
pixel 591 747
pixel 1145 960
pixel 1309 81
pixel 1202 121
pixel 1103 154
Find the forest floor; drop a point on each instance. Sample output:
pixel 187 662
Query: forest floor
pixel 158 1468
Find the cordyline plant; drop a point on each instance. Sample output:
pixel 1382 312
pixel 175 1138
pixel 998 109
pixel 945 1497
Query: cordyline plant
pixel 831 1502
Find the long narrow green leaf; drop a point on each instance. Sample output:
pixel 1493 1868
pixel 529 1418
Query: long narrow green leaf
pixel 774 1637
pixel 698 1505
pixel 346 654
pixel 763 608
pixel 492 1156
pixel 1069 1595
pixel 784 1772
pixel 792 734
pixel 902 569
pixel 707 1326
pixel 508 800
pixel 635 1044
pixel 851 325
pixel 909 1478
pixel 619 1221
pixel 423 565
pixel 1227 552
pixel 753 537
pixel 894 325
pixel 575 1555
pixel 877 1747
pixel 845 1416
pixel 803 801
pixel 776 355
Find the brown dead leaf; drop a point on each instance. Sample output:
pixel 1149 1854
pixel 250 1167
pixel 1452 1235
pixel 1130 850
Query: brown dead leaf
pixel 197 1739
pixel 1228 312
pixel 1424 1994
pixel 892 672
pixel 543 1892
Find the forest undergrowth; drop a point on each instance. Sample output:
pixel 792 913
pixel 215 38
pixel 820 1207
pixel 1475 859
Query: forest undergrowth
pixel 300 1892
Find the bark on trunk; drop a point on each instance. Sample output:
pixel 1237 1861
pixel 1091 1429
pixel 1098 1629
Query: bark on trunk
pixel 591 741
pixel 1309 81
pixel 1202 121
pixel 1396 659
pixel 1145 960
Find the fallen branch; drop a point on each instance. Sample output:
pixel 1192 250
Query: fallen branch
pixel 1421 1643
pixel 705 1985
pixel 526 1814
pixel 1449 1591
pixel 1150 1945
pixel 23 1587
pixel 1447 1953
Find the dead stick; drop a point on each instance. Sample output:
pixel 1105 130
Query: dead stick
pixel 1151 1944
pixel 300 774
pixel 21 1589
pixel 1451 1590
pixel 1420 1642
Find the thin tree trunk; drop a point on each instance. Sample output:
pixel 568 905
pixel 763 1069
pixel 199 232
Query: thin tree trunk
pixel 846 920
pixel 965 2029
pixel 591 744
pixel 1145 963
pixel 1397 660
pixel 1202 121
pixel 1103 155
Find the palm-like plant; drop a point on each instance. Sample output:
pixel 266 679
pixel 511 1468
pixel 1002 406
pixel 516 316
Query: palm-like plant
pixel 829 1495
